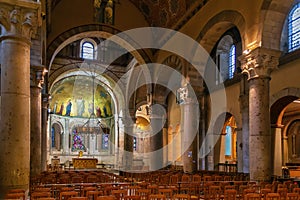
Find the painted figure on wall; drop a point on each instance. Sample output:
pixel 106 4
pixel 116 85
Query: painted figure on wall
pixel 55 107
pixel 98 111
pixel 69 108
pixel 91 108
pixel 61 109
pixel 80 106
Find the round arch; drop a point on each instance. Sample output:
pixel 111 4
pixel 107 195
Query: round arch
pixel 90 30
pixel 273 11
pixel 218 25
pixel 280 100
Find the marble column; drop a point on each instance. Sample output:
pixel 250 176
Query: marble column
pixel 258 65
pixel 36 81
pixel 19 20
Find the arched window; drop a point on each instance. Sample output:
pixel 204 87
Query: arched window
pixel 88 49
pixel 232 58
pixel 228 141
pixel 225 53
pixel 294 28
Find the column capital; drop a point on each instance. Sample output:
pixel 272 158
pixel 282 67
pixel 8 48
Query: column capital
pixel 260 62
pixel 20 18
pixel 186 94
pixel 37 74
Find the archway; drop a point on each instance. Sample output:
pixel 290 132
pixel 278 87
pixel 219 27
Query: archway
pixel 285 113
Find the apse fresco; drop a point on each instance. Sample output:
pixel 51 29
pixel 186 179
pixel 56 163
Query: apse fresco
pixel 73 96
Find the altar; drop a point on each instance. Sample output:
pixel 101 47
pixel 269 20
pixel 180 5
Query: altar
pixel 84 163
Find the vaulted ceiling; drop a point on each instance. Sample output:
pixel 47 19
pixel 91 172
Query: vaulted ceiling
pixel 160 13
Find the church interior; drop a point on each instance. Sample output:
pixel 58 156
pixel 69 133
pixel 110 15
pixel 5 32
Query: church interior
pixel 182 95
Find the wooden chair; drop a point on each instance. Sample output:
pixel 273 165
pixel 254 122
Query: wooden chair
pixel 15 196
pixel 42 189
pixel 168 192
pixel 132 197
pixel 16 191
pixel 247 191
pixel 252 196
pixel 143 193
pixel 86 189
pixel 94 194
pixel 292 196
pixel 119 194
pixel 38 195
pixel 157 197
pixel 230 194
pixel 132 190
pixel 106 197
pixel 273 196
pixel 215 192
pixel 153 188
pixel 296 190
pixel 282 191
pixel 181 197
pixel 67 195
pixel 264 192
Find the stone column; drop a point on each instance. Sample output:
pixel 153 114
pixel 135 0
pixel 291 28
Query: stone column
pixel 128 142
pixel 190 124
pixel 19 20
pixel 277 148
pixel 244 145
pixel 258 65
pixel 36 80
pixel 157 121
pixel 44 138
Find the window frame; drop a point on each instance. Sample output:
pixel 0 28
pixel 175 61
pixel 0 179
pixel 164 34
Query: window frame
pixel 94 45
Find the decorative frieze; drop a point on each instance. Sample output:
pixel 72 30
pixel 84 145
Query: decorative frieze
pixel 260 62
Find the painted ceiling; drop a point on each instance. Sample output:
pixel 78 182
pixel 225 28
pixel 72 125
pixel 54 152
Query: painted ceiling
pixel 160 13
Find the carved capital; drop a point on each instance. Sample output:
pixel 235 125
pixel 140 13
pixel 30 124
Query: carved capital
pixel 20 18
pixel 37 74
pixel 260 62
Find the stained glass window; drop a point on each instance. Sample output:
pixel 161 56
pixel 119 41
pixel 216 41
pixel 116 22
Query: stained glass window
pixel 52 137
pixel 77 141
pixel 294 28
pixel 105 141
pixel 232 56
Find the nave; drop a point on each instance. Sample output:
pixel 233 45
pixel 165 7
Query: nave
pixel 163 184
